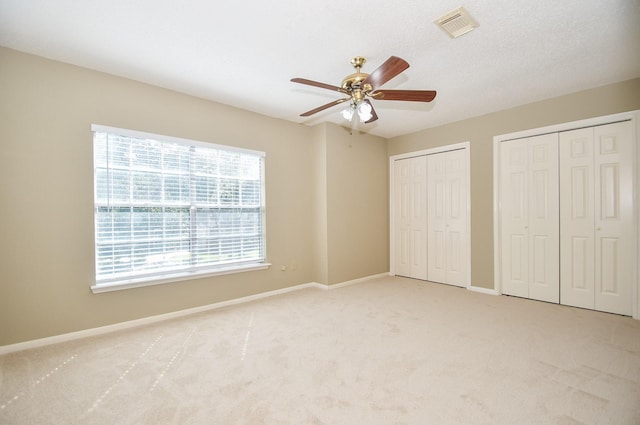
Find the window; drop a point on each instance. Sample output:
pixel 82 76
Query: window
pixel 166 208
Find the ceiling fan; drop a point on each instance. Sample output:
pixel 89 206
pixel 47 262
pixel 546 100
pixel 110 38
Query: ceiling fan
pixel 360 86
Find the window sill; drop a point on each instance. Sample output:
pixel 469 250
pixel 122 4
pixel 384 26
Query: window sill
pixel 175 277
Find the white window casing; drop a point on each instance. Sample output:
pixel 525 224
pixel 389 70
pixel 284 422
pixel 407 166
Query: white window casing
pixel 170 209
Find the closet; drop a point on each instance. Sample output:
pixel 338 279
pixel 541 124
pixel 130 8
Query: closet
pixel 566 209
pixel 429 206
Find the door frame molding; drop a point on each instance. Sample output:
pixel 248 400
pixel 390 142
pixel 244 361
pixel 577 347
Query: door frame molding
pixel 634 117
pixel 466 146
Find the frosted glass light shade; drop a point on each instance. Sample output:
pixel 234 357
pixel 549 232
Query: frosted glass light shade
pixel 364 111
pixel 347 113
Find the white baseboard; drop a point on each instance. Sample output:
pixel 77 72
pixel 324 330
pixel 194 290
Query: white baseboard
pixel 483 290
pixel 354 281
pixel 37 343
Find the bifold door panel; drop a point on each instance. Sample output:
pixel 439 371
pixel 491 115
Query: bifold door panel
pixel 597 242
pixel 529 217
pixel 447 217
pixel 410 205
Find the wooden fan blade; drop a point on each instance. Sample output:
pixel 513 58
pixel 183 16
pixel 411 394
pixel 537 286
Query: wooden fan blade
pixel 407 95
pixel 323 107
pixel 389 69
pixel 374 116
pixel 318 84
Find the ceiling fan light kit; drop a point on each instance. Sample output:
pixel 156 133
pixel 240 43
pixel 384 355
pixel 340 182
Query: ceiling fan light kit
pixel 360 86
pixel 363 110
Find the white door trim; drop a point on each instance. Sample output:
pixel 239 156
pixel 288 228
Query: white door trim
pixel 634 117
pixel 447 148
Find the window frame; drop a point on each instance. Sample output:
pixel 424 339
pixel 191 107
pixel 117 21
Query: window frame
pixel 133 280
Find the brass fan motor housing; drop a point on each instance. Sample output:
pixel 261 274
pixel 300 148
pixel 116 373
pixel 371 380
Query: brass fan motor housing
pixel 353 83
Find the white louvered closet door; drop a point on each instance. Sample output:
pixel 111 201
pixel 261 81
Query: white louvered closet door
pixel 597 229
pixel 410 207
pixel 529 211
pixel 447 218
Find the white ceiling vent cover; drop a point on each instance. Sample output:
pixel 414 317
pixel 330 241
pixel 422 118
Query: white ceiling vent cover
pixel 457 22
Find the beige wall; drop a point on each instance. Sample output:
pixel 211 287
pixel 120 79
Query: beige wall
pixel 352 204
pixel 611 99
pixel 46 200
pixel 357 204
pixel 320 205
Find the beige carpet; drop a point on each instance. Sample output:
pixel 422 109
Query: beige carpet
pixel 388 351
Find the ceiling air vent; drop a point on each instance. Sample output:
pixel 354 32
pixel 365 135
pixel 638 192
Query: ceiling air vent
pixel 457 22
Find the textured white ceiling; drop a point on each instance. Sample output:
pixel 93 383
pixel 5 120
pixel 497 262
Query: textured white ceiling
pixel 244 53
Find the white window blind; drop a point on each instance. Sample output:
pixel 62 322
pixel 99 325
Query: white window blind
pixel 165 205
